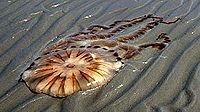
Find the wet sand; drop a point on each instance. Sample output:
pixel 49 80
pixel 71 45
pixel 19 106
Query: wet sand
pixel 166 81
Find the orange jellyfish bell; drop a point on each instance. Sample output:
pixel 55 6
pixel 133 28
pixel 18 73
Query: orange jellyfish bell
pixel 61 73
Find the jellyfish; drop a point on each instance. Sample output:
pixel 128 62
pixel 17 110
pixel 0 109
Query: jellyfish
pixel 90 59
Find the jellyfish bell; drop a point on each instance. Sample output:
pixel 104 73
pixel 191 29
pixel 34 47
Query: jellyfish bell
pixel 65 72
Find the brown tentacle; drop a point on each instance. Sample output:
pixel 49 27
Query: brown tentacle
pixel 170 22
pixel 95 28
pixel 128 52
pixel 90 35
pixel 158 45
pixel 132 52
pixel 165 37
pixel 139 33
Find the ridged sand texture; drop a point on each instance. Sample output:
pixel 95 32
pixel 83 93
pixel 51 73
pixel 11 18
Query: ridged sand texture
pixel 150 80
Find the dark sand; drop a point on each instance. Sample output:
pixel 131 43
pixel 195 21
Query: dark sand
pixel 168 82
